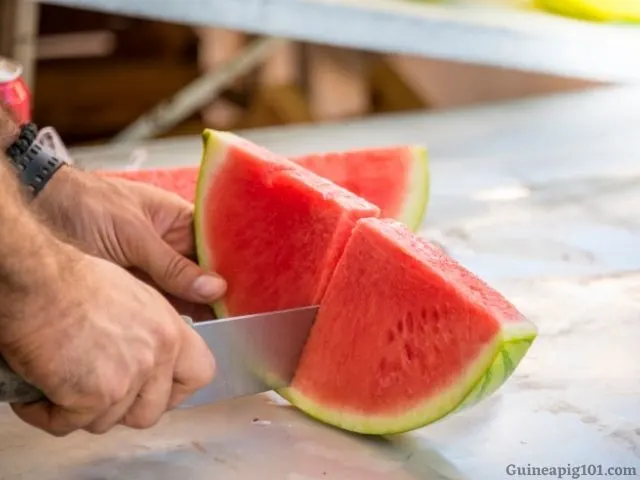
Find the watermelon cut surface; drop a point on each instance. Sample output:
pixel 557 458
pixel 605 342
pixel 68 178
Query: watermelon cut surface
pixel 404 336
pixel 396 179
pixel 273 229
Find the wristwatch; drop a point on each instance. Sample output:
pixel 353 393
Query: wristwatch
pixel 34 164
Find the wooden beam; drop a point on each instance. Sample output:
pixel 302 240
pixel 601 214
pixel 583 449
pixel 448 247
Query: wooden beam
pixel 18 34
pixel 7 22
pixel 338 86
pixel 218 46
pixel 279 87
pixel 97 97
pixel 391 93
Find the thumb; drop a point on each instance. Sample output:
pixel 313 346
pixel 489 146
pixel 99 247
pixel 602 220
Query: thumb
pixel 177 275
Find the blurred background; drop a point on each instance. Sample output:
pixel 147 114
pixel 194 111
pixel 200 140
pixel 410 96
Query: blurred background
pixel 93 73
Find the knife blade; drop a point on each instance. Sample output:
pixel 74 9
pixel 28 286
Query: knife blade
pixel 253 353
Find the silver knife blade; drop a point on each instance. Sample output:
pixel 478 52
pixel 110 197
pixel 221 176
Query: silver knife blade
pixel 253 353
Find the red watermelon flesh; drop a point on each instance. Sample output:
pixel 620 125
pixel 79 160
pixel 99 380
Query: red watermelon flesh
pixel 303 224
pixel 380 175
pixel 402 335
pixel 181 181
pixel 393 178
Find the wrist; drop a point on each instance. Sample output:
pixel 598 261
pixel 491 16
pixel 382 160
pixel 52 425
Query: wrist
pixel 35 281
pixel 55 201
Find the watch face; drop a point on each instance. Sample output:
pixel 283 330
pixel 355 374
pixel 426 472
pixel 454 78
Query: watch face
pixel 48 137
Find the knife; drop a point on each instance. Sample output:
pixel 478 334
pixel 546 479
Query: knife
pixel 253 353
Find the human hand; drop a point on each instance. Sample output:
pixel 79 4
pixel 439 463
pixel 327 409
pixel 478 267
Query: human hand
pixel 104 348
pixel 134 225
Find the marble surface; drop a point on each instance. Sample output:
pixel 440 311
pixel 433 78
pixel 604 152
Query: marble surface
pixel 539 197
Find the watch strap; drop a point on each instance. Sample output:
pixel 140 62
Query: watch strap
pixel 34 164
pixel 37 166
pixel 27 135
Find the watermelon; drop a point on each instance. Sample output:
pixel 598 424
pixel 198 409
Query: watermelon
pixel 404 334
pixel 270 225
pixel 181 181
pixel 396 179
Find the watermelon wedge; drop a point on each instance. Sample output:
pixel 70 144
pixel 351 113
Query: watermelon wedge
pixel 181 181
pixel 396 179
pixel 404 334
pixel 272 226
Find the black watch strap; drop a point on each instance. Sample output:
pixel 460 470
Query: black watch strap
pixel 34 164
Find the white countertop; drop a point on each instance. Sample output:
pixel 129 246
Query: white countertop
pixel 541 198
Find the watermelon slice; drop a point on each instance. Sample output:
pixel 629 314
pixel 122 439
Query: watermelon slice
pixel 404 335
pixel 396 179
pixel 271 226
pixel 181 181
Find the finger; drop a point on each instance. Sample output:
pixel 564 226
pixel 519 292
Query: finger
pixel 176 274
pixel 114 415
pixel 195 368
pixel 151 402
pixel 196 311
pixel 52 418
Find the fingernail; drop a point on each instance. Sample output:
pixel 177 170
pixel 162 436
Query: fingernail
pixel 209 286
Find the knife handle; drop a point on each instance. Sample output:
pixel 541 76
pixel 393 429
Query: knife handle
pixel 13 389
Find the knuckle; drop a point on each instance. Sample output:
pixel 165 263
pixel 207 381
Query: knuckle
pixel 166 334
pixel 113 392
pixel 202 373
pixel 97 429
pixel 204 376
pixel 141 421
pixel 146 362
pixel 60 432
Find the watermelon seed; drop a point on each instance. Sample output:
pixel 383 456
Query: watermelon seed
pixel 390 336
pixel 382 366
pixel 408 352
pixel 410 323
pixel 423 313
pixel 400 327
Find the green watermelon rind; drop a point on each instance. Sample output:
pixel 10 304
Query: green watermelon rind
pixel 412 213
pixel 416 200
pixel 512 343
pixel 504 364
pixel 213 153
pixel 480 379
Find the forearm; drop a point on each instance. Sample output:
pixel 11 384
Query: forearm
pixel 31 257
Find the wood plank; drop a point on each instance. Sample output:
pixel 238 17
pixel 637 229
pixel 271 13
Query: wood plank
pixel 337 83
pixel 391 93
pixel 217 46
pixel 71 96
pixel 7 19
pixel 448 84
pixel 279 93
pixel 283 66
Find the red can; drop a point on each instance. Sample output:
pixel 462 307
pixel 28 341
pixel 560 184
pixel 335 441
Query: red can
pixel 14 91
